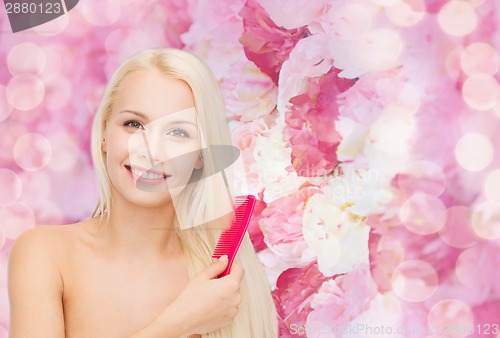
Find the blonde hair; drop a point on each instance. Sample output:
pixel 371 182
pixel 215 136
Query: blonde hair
pixel 257 315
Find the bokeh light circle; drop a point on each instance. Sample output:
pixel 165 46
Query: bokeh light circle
pixel 351 21
pixel 450 315
pixel 424 176
pixel 457 231
pixel 37 187
pixel 474 152
pixel 54 65
pixel 481 92
pixel 476 3
pixel 457 18
pixel 108 13
pixel 469 270
pixel 32 152
pixel 415 280
pixel 491 186
pixel 66 152
pixel 11 187
pixel 25 92
pixel 406 13
pixel 389 253
pixel 486 220
pixel 5 106
pixel 423 214
pixel 378 50
pixel 26 58
pixel 49 213
pixel 16 219
pixel 58 92
pixel 480 57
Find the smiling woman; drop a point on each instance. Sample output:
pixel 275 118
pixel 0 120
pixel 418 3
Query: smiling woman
pixel 134 270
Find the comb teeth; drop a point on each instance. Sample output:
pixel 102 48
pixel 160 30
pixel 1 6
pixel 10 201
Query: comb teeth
pixel 230 239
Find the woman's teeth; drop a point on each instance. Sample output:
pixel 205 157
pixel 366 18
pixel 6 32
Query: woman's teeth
pixel 146 175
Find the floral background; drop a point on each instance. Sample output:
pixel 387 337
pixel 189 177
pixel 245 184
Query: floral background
pixel 369 130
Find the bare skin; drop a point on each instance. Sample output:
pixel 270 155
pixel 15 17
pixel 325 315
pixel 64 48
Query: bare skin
pixel 82 290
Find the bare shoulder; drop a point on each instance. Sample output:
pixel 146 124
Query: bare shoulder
pixel 35 281
pixel 44 241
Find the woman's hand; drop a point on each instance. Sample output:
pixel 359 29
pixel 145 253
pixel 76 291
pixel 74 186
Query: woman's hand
pixel 210 303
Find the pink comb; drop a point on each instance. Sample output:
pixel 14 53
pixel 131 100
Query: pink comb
pixel 230 240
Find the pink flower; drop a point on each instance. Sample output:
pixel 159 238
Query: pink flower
pixel 248 93
pixel 310 58
pixel 281 223
pixel 266 44
pixel 294 291
pixel 244 135
pixel 340 300
pixel 310 125
pixel 177 23
pixel 214 34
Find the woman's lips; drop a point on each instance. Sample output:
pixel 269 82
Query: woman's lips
pixel 146 177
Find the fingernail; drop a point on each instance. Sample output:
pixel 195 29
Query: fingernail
pixel 223 258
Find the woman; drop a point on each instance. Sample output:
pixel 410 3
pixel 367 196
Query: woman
pixel 134 270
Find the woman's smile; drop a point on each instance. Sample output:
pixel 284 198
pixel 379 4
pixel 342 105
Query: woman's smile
pixel 147 176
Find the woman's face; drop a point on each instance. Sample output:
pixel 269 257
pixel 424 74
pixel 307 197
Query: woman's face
pixel 152 138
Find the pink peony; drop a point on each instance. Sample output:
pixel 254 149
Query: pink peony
pixel 281 223
pixel 266 44
pixel 310 125
pixel 310 58
pixel 214 34
pixel 295 288
pixel 244 135
pixel 340 300
pixel 248 93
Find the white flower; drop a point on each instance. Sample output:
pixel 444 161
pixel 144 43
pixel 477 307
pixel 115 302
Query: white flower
pixel 272 159
pixel 339 236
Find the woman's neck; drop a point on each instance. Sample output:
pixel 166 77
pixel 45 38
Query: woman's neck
pixel 141 233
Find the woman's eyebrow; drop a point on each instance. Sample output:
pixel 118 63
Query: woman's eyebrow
pixel 183 122
pixel 135 113
pixel 146 118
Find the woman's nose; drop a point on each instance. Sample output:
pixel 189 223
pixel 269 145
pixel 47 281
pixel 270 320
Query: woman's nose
pixel 149 146
pixel 154 148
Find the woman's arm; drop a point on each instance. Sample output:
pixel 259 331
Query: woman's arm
pixel 35 287
pixel 206 304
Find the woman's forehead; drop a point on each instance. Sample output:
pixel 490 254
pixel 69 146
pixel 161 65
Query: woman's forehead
pixel 152 93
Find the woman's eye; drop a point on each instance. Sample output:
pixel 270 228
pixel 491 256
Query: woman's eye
pixel 179 133
pixel 133 124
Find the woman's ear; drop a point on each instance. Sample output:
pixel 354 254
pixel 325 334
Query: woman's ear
pixel 103 145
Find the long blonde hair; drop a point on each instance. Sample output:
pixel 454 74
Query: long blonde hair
pixel 257 315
